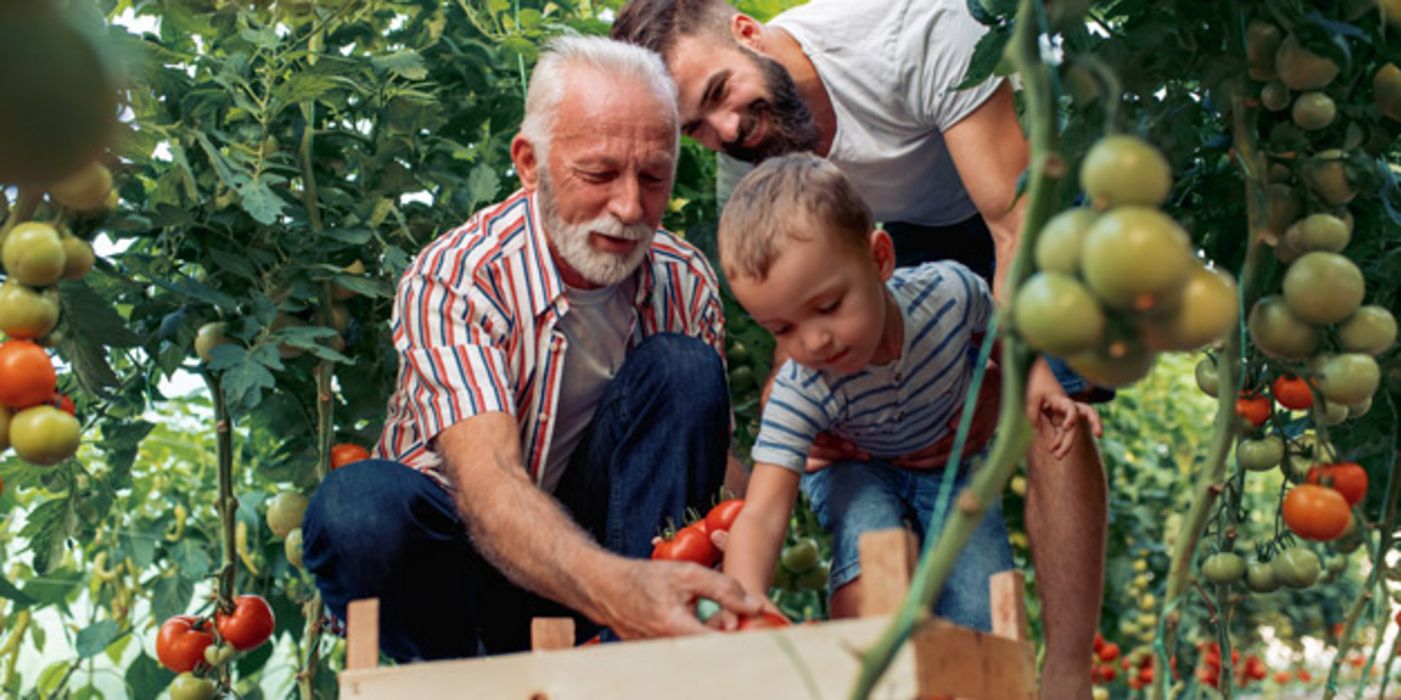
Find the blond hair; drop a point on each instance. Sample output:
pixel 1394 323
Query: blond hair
pixel 795 196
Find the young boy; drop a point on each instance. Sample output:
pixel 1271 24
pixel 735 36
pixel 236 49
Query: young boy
pixel 880 357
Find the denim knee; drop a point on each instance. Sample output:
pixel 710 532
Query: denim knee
pixel 681 369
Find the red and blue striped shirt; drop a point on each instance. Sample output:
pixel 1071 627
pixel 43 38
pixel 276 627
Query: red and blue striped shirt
pixel 475 325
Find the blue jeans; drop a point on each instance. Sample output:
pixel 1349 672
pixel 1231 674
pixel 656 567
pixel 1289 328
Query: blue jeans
pixel 852 498
pixel 377 528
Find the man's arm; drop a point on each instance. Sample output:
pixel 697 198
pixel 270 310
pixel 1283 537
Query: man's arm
pixel 991 153
pixel 523 532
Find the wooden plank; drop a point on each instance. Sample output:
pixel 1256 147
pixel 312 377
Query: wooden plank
pixel 782 663
pixel 887 562
pixel 1008 597
pixel 362 634
pixel 550 633
pixel 954 661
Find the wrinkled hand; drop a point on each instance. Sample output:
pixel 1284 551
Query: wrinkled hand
pixel 984 425
pixel 828 449
pixel 658 598
pixel 1067 419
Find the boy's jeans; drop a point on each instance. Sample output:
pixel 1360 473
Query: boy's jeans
pixel 377 528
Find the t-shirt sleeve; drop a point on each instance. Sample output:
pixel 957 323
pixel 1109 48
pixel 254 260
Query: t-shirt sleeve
pixel 452 347
pixel 941 41
pixel 799 408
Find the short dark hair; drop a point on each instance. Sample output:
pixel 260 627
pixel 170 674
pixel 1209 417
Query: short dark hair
pixel 656 24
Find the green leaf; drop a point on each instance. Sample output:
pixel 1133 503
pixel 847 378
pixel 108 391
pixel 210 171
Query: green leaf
pixel 173 594
pixel 254 661
pixel 8 590
pixel 482 185
pixel 117 649
pixel 986 55
pixel 407 64
pixel 89 362
pixel 89 692
pixel 145 677
pixel 98 320
pixel 51 676
pixel 48 529
pixel 191 289
pixel 303 87
pixel 190 554
pixel 52 589
pixel 94 638
pixel 246 374
pixel 261 202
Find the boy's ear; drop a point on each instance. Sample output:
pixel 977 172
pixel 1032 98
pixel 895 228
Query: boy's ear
pixel 883 252
pixel 747 31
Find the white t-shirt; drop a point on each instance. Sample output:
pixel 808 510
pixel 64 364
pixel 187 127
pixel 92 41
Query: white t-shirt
pixel 596 328
pixel 890 67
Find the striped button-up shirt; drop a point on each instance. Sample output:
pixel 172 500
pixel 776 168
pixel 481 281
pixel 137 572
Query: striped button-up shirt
pixel 475 325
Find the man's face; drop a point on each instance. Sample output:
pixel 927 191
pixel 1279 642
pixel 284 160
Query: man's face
pixel 607 179
pixel 735 100
pixel 823 301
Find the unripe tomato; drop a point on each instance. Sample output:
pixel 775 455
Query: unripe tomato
pixel 1275 96
pixel 815 579
pixel 44 435
pixel 1254 409
pixel 1136 258
pixel 27 376
pixel 1124 170
pixel 1207 379
pixel 1058 245
pixel 250 624
pixel 181 642
pixel 1359 409
pixel 1223 568
pixel 1118 365
pixel 347 453
pixel 188 686
pixel 1056 314
pixel 217 655
pixel 1278 332
pixel 285 512
pixel 210 336
pixel 1206 310
pixel 1316 513
pixel 1323 288
pixel 1313 111
pixel 1260 455
pixel 25 313
pixel 33 254
pixel 292 547
pixel 1333 414
pixel 1386 91
pixel 803 555
pixel 1261 44
pixel 1347 478
pixel 84 190
pixel 1292 392
pixel 78 258
pixel 1323 232
pixel 1349 378
pixel 1371 330
pixel 1327 176
pixel 1302 69
pixel 1297 567
pixel 1260 578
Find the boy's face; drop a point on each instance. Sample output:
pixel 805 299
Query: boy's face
pixel 825 302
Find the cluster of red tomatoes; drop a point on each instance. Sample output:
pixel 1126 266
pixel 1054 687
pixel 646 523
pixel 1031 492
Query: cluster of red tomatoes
pixel 186 643
pixel 1209 670
pixel 36 420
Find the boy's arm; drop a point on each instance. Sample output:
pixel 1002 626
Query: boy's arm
pixel 757 534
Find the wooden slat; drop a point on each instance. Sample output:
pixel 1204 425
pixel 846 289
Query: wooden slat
pixel 550 633
pixel 362 634
pixel 887 562
pixel 959 662
pixel 1008 597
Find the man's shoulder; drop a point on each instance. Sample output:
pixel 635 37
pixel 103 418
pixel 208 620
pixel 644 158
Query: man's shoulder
pixel 485 239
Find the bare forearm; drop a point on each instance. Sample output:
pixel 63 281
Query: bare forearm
pixel 752 548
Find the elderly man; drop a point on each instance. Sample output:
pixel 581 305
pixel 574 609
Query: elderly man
pixel 872 86
pixel 561 393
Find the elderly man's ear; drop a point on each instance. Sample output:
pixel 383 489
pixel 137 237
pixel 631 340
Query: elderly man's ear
pixel 523 154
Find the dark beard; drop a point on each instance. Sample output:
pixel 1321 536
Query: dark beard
pixel 791 127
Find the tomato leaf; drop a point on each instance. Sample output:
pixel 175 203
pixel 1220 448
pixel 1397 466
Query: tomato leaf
pixel 8 590
pixel 172 595
pixel 99 320
pixel 986 55
pixel 48 529
pixel 407 64
pixel 51 676
pixel 261 203
pixel 94 638
pixel 254 661
pixel 146 678
pixel 190 554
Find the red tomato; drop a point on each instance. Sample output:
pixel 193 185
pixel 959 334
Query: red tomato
pixel 1255 668
pixel 63 403
pixel 346 453
pixel 1292 392
pixel 249 626
pixel 1253 409
pixel 1108 673
pixel 722 516
pixel 764 620
pixel 27 376
pixel 1282 677
pixel 1304 675
pixel 1316 513
pixel 1099 642
pixel 689 544
pixel 1109 652
pixel 181 642
pixel 1347 478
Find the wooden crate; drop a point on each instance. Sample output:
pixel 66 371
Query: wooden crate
pixel 804 661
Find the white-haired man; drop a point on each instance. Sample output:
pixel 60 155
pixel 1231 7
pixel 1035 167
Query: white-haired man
pixel 561 375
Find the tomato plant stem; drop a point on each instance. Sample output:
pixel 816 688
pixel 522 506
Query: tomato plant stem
pixel 227 505
pixel 1013 428
pixel 24 208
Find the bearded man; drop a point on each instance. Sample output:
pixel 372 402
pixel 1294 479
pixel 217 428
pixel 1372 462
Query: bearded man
pixel 561 393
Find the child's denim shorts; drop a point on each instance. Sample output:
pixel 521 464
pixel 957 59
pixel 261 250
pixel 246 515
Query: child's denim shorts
pixel 852 498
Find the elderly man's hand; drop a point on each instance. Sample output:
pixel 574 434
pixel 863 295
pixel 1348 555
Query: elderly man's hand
pixel 658 598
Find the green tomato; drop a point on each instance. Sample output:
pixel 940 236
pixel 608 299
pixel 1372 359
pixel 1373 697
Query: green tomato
pixel 1313 111
pixel 210 336
pixel 1056 314
pixel 285 512
pixel 1349 378
pixel 801 556
pixel 33 254
pixel 1260 578
pixel 78 258
pixel 1260 455
pixel 1119 365
pixel 1278 332
pixel 815 579
pixel 1136 258
pixel 26 313
pixel 1058 246
pixel 1223 568
pixel 1323 232
pixel 1297 567
pixel 1207 379
pixel 1323 288
pixel 1124 170
pixel 292 547
pixel 1371 330
pixel 44 435
pixel 1206 309
pixel 187 686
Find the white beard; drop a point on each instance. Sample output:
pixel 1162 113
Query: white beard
pixel 571 241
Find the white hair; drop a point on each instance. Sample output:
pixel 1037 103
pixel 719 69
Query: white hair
pixel 619 61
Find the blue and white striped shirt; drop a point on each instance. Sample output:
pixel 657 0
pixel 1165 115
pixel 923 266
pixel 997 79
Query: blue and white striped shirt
pixel 895 409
